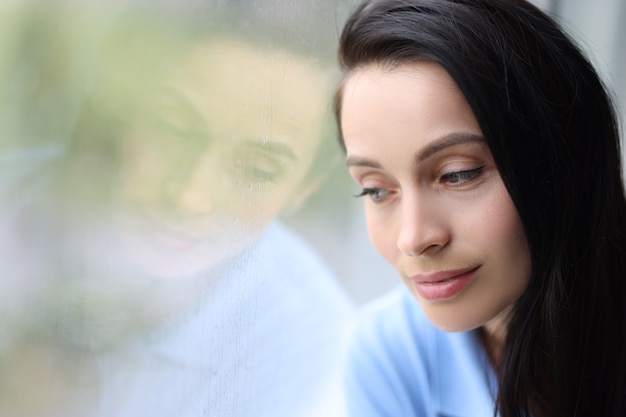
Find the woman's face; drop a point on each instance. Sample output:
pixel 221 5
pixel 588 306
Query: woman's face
pixel 231 140
pixel 436 207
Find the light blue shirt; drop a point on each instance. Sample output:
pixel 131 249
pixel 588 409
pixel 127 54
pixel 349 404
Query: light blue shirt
pixel 400 365
pixel 264 340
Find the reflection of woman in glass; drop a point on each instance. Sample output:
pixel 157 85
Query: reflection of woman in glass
pixel 225 148
pixel 237 129
pixel 167 152
pixel 488 155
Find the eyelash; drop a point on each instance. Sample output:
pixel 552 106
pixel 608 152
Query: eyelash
pixel 373 193
pixel 456 178
pixel 460 177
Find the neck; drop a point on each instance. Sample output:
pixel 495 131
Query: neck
pixel 493 334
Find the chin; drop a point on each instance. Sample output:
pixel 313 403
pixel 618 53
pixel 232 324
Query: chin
pixel 447 318
pixel 454 326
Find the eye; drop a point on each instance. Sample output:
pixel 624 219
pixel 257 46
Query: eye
pixel 262 167
pixel 461 177
pixel 374 193
pixel 259 164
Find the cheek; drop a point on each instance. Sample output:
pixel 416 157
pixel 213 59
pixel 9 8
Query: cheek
pixel 502 224
pixel 382 235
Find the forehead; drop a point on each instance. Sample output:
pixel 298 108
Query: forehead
pixel 248 93
pixel 406 81
pixel 409 104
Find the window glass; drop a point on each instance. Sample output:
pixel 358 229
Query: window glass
pixel 148 153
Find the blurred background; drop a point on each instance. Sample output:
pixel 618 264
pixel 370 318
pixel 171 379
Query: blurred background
pixel 178 235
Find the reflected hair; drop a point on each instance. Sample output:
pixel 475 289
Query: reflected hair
pixel 551 127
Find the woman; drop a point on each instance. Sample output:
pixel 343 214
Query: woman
pixel 488 153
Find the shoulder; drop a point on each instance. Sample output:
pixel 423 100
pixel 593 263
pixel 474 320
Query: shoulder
pixel 283 264
pixel 398 363
pixel 391 357
pixel 393 324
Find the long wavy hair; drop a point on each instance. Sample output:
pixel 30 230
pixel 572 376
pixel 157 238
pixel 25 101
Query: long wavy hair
pixel 551 127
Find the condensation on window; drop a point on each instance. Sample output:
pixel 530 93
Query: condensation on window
pixel 149 151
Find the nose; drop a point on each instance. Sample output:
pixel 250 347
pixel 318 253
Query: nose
pixel 424 227
pixel 184 196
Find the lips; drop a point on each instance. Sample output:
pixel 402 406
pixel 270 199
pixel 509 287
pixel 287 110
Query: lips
pixel 442 285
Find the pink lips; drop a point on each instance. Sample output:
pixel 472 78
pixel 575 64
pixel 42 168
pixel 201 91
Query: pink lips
pixel 443 284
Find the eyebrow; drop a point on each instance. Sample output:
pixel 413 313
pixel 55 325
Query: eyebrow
pixel 446 142
pixel 273 148
pixel 431 149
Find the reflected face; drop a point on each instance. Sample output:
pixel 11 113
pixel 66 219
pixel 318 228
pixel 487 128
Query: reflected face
pixel 436 207
pixel 226 148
